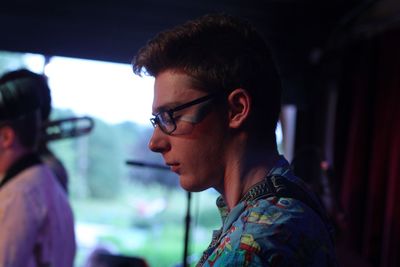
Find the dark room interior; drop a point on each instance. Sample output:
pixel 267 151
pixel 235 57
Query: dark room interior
pixel 340 65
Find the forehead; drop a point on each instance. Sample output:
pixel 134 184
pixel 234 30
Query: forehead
pixel 172 88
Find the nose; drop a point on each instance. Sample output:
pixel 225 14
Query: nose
pixel 159 141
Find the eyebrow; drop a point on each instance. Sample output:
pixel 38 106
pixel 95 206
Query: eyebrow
pixel 185 105
pixel 166 107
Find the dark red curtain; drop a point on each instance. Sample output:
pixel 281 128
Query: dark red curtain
pixel 367 152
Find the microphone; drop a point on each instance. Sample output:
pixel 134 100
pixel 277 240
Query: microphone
pixel 66 128
pixel 146 164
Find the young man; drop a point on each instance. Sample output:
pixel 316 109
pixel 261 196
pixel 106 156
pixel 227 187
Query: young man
pixel 36 221
pixel 216 104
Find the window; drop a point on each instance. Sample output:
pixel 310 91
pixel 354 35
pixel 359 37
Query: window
pixel 123 209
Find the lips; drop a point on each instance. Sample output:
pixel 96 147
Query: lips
pixel 174 167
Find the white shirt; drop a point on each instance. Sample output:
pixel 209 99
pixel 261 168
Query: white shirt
pixel 36 221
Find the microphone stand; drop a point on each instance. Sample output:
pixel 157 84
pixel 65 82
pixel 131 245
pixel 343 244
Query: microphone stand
pixel 187 228
pixel 187 217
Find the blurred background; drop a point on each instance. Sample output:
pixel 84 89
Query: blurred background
pixel 339 127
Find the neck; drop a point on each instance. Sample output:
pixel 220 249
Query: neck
pixel 8 157
pixel 246 170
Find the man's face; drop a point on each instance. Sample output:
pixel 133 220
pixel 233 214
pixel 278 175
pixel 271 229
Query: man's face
pixel 195 151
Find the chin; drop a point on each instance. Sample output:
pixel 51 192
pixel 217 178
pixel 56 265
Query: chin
pixel 190 186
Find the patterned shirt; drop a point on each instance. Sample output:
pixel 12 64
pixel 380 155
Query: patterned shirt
pixel 271 231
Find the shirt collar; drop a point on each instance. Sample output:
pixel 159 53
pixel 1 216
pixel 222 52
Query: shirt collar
pixel 19 165
pixel 281 168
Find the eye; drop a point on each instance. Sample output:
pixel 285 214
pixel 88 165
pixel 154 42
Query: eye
pixel 177 117
pixel 179 113
pixel 165 118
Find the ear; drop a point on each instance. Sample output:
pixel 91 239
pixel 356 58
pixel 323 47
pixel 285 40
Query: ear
pixel 7 136
pixel 239 104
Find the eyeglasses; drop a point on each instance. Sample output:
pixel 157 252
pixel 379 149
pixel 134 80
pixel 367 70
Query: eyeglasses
pixel 165 119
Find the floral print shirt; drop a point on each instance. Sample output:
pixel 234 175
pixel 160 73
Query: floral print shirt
pixel 271 231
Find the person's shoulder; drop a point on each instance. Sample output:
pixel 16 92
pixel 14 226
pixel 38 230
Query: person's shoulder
pixel 283 218
pixel 24 192
pixel 34 175
pixel 280 206
pixel 280 224
pixel 33 180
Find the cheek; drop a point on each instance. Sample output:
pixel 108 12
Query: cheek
pixel 202 153
pixel 202 165
pixel 207 147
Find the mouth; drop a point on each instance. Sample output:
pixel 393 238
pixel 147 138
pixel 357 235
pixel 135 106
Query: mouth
pixel 174 167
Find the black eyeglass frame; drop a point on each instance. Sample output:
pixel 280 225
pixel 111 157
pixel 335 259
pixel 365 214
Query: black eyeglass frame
pixel 157 119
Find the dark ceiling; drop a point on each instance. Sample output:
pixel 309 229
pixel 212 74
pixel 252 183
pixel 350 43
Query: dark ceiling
pixel 115 30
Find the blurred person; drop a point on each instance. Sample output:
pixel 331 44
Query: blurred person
pixel 36 220
pixel 102 257
pixel 310 165
pixel 95 257
pixel 217 98
pixel 40 83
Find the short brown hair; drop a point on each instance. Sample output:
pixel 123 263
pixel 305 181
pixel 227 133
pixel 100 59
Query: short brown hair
pixel 219 52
